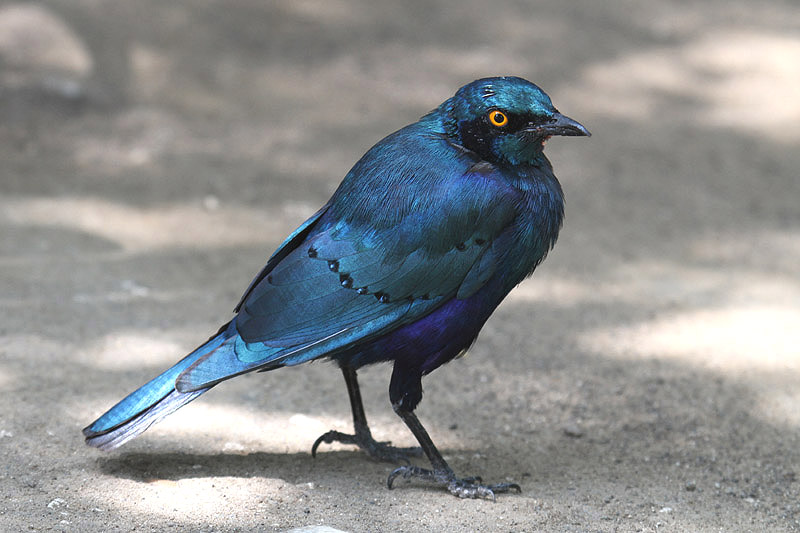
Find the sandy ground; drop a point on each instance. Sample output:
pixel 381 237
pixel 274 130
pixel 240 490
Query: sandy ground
pixel 645 379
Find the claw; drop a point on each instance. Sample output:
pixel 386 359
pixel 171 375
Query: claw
pixel 382 451
pixel 331 437
pixel 469 487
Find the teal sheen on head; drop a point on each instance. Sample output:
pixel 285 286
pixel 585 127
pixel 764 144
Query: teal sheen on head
pixel 508 92
pixel 505 120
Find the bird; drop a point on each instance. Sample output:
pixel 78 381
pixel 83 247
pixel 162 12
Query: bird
pixel 421 241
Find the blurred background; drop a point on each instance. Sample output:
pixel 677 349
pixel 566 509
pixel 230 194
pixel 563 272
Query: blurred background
pixel 153 154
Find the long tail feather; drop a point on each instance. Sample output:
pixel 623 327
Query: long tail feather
pixel 138 424
pixel 150 402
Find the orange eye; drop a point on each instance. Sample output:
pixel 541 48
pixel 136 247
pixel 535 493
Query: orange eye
pixel 498 118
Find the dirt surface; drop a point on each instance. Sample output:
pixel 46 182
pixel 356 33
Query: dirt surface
pixel 646 378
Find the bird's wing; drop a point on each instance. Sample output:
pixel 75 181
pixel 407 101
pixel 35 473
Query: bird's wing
pixel 336 284
pixel 287 246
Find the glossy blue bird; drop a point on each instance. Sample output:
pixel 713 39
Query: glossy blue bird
pixel 424 237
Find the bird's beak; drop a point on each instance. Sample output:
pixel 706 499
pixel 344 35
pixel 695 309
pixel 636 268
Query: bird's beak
pixel 561 125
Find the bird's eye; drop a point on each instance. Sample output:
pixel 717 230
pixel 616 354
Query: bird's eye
pixel 498 118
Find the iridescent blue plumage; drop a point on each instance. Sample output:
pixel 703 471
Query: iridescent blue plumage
pixel 422 240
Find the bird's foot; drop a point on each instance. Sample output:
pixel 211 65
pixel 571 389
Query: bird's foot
pixel 469 487
pixel 382 451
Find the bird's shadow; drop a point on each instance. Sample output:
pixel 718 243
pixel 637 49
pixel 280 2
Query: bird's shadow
pixel 292 467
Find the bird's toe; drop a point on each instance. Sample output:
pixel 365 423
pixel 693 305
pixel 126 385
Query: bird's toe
pixel 469 487
pixel 380 451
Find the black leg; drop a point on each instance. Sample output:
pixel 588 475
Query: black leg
pixel 383 451
pixel 441 472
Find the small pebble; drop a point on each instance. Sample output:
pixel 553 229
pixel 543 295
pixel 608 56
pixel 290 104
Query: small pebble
pixel 315 529
pixel 56 503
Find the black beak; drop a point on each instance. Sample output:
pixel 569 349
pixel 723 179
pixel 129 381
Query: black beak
pixel 561 125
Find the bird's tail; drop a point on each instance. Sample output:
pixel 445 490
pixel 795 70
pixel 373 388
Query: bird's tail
pixel 150 402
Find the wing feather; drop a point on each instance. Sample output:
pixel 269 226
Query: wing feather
pixel 345 277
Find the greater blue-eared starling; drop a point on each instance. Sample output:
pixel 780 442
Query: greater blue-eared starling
pixel 422 240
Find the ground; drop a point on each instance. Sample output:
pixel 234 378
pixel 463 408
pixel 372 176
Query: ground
pixel 646 378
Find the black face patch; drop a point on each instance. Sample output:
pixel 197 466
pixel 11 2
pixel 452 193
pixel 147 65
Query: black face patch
pixel 477 135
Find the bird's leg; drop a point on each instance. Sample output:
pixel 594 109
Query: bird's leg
pixel 382 451
pixel 441 472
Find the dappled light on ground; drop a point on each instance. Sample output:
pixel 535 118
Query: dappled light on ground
pixel 130 350
pixel 730 78
pixel 139 229
pixel 733 339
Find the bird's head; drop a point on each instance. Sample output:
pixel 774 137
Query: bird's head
pixel 505 120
